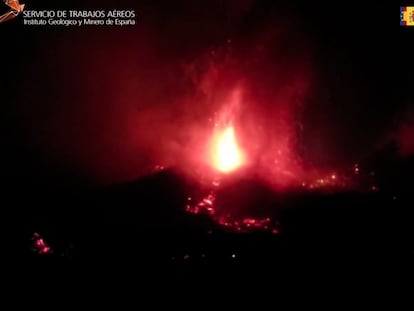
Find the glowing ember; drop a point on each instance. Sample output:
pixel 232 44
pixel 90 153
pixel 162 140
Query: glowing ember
pixel 324 182
pixel 226 154
pixel 207 206
pixel 39 245
pixel 159 168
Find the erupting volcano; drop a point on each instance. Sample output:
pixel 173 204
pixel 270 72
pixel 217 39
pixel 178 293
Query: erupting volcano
pixel 254 133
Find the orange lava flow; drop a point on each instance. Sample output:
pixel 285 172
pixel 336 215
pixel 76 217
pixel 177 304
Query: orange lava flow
pixel 226 154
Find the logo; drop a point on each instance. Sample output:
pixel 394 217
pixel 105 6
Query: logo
pixel 15 8
pixel 407 16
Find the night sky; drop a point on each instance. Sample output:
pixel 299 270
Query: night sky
pixel 73 99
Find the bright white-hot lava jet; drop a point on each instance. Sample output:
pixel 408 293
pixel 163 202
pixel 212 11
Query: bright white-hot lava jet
pixel 226 154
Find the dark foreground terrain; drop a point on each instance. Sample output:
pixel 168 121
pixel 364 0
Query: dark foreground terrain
pixel 143 224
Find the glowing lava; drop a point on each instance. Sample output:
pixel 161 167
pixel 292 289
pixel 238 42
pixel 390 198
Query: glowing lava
pixel 39 245
pixel 226 154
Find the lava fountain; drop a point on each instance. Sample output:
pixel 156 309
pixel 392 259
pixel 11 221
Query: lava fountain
pixel 226 155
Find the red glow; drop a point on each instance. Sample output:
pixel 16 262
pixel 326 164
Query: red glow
pixel 40 245
pixel 207 206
